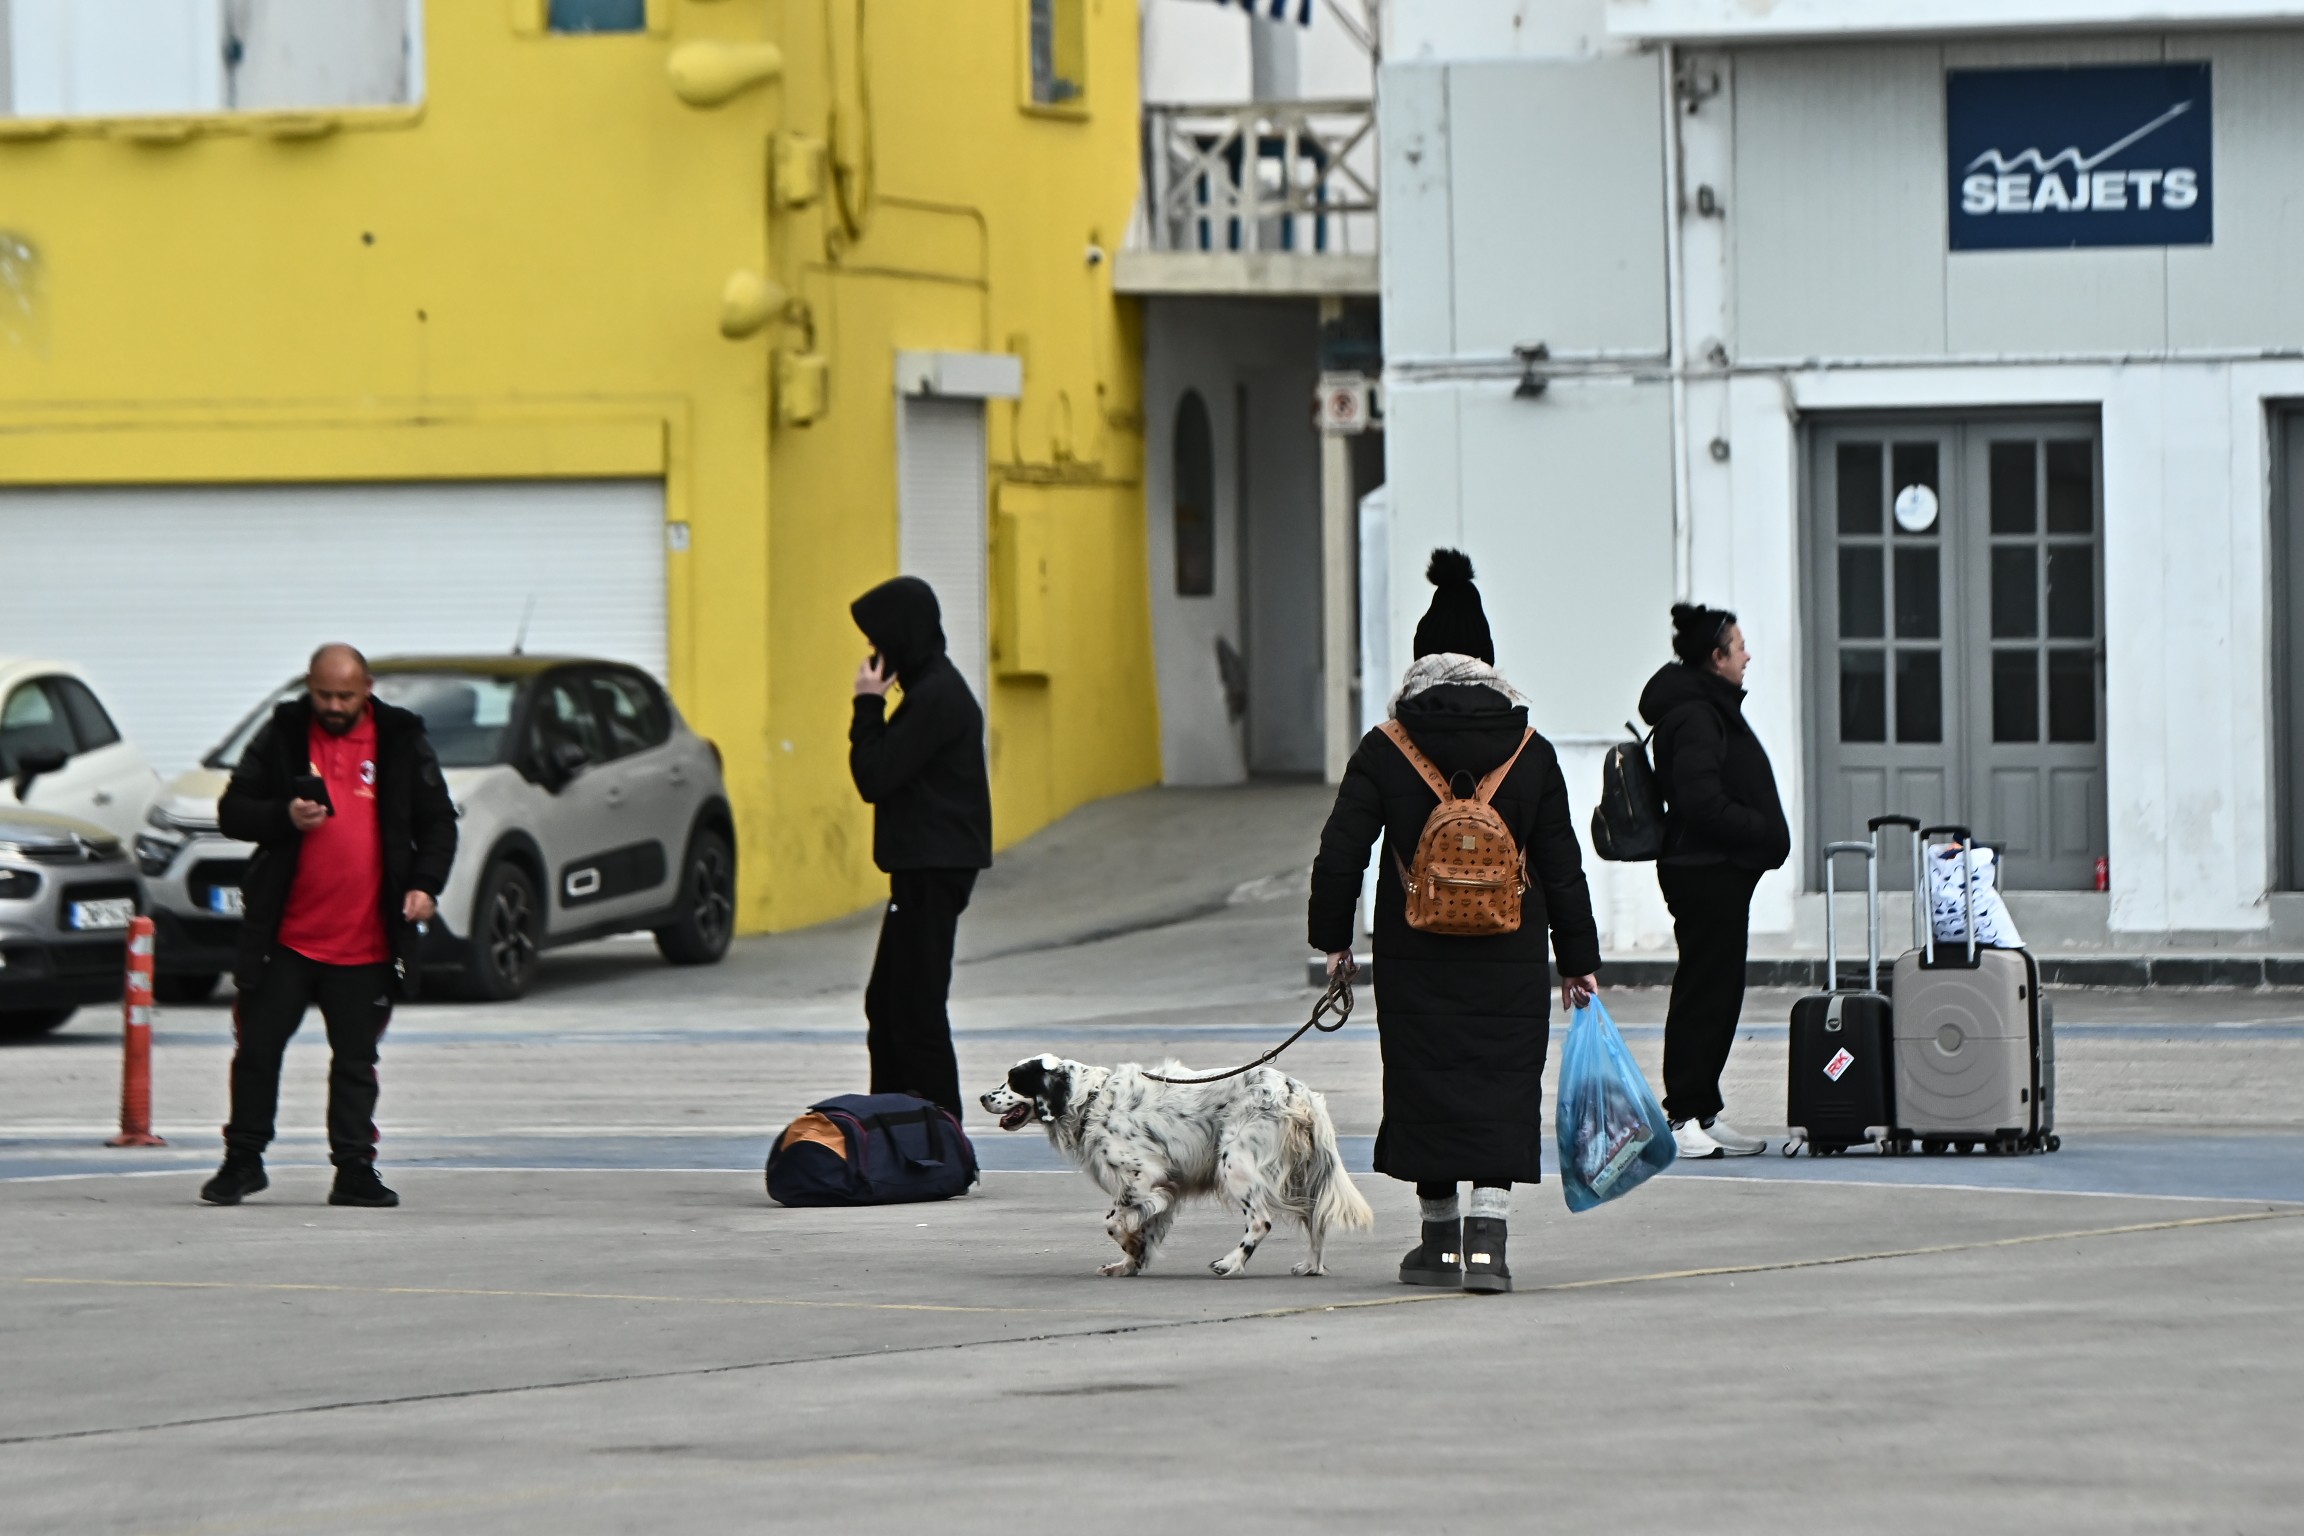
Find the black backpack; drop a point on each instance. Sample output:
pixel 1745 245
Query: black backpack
pixel 1628 823
pixel 871 1149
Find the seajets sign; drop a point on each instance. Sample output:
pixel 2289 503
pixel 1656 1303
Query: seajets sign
pixel 2079 157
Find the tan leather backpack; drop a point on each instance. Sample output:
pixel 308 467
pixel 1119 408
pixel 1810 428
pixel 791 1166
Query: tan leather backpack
pixel 1469 874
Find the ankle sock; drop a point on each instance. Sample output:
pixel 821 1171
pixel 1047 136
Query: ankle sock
pixel 1492 1204
pixel 1440 1210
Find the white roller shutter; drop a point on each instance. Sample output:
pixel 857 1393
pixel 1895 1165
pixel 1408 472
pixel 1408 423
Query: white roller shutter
pixel 187 604
pixel 940 458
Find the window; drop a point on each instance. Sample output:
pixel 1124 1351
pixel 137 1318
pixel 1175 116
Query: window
pixel 598 16
pixel 564 718
pixel 31 721
pixel 1059 53
pixel 90 724
pixel 1195 492
pixel 134 58
pixel 635 712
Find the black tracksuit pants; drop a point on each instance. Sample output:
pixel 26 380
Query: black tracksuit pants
pixel 908 1030
pixel 356 1002
pixel 1712 921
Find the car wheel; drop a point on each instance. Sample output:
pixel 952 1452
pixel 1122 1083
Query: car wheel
pixel 184 989
pixel 23 1024
pixel 502 959
pixel 707 918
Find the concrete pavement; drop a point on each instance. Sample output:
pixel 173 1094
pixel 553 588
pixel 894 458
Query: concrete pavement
pixel 588 1318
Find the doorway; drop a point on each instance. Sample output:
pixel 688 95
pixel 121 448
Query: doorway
pixel 1956 635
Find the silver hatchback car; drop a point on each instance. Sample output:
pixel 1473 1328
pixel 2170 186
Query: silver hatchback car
pixel 585 807
pixel 67 895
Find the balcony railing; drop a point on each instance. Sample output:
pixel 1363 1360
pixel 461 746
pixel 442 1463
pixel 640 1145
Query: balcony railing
pixel 1297 176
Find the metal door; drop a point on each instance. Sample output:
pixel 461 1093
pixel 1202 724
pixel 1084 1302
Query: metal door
pixel 1957 604
pixel 941 526
pixel 2288 660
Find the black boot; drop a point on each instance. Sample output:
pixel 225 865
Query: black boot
pixel 357 1184
pixel 1484 1268
pixel 241 1175
pixel 1439 1259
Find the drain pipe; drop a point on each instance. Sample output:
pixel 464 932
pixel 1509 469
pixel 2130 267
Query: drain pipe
pixel 1676 326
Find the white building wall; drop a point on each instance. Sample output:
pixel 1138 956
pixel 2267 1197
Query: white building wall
pixel 1825 286
pixel 1267 560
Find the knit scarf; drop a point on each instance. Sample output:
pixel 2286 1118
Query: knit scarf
pixel 1449 667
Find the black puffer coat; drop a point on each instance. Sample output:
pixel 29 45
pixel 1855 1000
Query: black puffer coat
pixel 1720 800
pixel 922 768
pixel 1465 1022
pixel 414 815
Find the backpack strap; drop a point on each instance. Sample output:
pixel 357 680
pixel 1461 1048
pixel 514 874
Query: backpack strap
pixel 1495 781
pixel 1422 764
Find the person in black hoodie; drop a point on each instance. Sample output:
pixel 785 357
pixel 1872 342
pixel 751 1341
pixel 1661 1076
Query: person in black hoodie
pixel 1723 829
pixel 922 771
pixel 1464 1021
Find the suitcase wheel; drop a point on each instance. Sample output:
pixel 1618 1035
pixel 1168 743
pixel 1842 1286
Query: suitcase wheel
pixel 2055 1143
pixel 1792 1145
pixel 1932 1145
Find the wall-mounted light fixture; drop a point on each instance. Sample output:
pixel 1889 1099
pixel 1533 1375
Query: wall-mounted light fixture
pixel 1532 383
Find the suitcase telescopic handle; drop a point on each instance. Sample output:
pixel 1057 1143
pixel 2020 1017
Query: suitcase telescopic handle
pixel 1919 885
pixel 1871 856
pixel 1967 841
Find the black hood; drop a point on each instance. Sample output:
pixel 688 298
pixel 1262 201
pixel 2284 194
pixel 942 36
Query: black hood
pixel 1464 727
pixel 1676 684
pixel 903 622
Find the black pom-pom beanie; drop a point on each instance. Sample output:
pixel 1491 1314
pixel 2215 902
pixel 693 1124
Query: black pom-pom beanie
pixel 1455 622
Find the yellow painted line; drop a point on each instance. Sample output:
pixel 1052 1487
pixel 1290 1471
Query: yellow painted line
pixel 443 1290
pixel 1979 1246
pixel 1653 1277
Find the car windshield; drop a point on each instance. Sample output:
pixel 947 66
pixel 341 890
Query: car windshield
pixel 468 716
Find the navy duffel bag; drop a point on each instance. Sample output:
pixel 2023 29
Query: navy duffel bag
pixel 871 1149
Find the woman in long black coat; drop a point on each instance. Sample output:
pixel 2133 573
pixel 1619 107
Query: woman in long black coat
pixel 1464 1021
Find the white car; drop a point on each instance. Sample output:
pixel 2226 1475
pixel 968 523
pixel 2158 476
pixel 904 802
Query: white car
pixel 60 751
pixel 585 807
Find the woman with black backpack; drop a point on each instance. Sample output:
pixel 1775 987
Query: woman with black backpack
pixel 1462 989
pixel 1723 829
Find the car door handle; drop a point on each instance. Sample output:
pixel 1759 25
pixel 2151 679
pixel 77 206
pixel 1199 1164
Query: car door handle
pixel 615 796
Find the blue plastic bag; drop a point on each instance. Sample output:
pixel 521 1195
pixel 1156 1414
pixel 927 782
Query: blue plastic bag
pixel 1612 1133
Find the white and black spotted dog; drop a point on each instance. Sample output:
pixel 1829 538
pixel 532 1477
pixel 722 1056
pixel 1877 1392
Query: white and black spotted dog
pixel 1261 1140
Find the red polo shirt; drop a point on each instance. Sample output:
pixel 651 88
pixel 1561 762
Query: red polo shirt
pixel 336 907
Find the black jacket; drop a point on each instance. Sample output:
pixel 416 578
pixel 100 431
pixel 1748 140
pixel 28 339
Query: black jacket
pixel 922 768
pixel 1464 1022
pixel 1720 801
pixel 413 812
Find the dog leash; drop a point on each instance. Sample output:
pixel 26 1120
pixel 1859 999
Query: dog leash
pixel 1337 999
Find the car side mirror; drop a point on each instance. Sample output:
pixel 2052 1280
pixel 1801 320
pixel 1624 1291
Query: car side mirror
pixel 35 762
pixel 563 762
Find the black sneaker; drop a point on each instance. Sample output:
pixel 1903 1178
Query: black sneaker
pixel 242 1175
pixel 357 1184
pixel 1484 1268
pixel 1439 1259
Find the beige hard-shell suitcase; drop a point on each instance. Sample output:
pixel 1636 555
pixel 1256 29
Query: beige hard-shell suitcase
pixel 1974 1040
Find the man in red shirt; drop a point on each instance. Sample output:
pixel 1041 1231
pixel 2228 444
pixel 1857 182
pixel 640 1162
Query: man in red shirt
pixel 354 829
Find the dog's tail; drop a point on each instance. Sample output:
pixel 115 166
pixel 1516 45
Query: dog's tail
pixel 1329 1193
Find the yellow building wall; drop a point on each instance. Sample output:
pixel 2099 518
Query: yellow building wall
pixel 523 276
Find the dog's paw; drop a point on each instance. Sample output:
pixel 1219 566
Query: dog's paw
pixel 1307 1267
pixel 1118 1269
pixel 1230 1264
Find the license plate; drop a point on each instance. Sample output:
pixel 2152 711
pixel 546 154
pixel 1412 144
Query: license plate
pixel 224 899
pixel 94 916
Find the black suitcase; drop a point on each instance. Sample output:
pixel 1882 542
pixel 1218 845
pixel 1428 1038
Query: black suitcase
pixel 1840 1088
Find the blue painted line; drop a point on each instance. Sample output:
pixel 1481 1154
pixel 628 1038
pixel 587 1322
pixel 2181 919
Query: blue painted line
pixel 2263 1167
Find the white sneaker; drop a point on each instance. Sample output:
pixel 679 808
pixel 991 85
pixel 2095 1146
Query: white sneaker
pixel 1731 1141
pixel 1692 1141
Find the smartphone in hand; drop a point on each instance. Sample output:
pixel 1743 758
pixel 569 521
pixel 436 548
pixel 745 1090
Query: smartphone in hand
pixel 310 786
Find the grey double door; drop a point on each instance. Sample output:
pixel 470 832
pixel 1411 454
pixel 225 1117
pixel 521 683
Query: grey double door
pixel 1956 573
